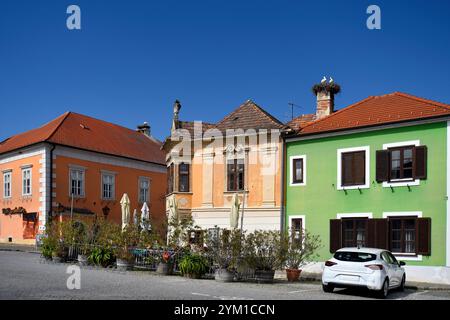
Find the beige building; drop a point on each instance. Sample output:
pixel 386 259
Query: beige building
pixel 209 163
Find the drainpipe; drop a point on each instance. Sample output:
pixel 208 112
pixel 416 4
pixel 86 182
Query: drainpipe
pixel 283 182
pixel 50 188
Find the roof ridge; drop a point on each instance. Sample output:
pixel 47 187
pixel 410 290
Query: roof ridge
pixel 270 116
pixel 339 111
pixel 413 97
pixel 65 115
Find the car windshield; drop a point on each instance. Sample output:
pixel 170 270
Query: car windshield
pixel 354 256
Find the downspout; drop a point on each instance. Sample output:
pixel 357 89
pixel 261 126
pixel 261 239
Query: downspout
pixel 50 188
pixel 283 190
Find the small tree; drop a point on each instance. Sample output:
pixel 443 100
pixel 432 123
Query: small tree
pixel 224 248
pixel 264 250
pixel 300 248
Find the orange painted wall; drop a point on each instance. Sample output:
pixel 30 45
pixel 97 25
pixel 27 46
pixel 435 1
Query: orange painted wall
pixel 126 181
pixel 13 225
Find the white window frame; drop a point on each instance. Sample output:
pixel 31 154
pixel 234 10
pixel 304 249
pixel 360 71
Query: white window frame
pixel 399 182
pixel 7 173
pixel 292 217
pixel 148 191
pixel 113 187
pixel 83 185
pixel 291 172
pixel 405 256
pixel 366 184
pixel 368 215
pixel 24 170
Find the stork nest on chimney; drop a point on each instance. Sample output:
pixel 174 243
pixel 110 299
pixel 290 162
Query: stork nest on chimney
pixel 333 88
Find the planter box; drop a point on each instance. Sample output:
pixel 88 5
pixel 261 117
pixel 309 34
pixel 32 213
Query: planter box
pixel 124 265
pixel 165 268
pixel 224 275
pixel 264 276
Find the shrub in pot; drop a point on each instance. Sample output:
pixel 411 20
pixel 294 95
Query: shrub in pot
pixel 264 253
pixel 193 265
pixel 224 248
pixel 124 241
pixel 165 263
pixel 49 244
pixel 300 249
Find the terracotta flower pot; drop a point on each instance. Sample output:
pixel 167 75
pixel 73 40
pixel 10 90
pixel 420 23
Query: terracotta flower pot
pixel 293 274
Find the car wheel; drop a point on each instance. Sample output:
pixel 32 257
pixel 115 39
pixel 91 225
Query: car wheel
pixel 327 288
pixel 383 292
pixel 402 284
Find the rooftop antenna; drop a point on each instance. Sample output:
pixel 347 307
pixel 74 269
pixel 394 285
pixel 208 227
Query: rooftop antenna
pixel 292 105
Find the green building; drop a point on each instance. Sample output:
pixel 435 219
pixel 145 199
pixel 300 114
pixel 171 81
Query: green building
pixel 374 174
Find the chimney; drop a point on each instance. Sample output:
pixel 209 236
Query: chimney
pixel 145 129
pixel 325 92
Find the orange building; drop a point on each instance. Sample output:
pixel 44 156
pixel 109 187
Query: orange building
pixel 77 165
pixel 209 163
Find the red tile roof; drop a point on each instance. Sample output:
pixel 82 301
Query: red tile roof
pixel 378 110
pixel 301 121
pixel 83 132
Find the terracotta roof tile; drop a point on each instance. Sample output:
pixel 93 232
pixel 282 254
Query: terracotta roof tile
pixel 378 110
pixel 83 132
pixel 301 121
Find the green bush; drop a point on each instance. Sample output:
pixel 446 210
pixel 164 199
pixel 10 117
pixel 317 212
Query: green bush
pixel 101 256
pixel 193 265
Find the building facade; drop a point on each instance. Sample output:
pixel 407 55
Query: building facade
pixel 80 166
pixel 209 163
pixel 376 174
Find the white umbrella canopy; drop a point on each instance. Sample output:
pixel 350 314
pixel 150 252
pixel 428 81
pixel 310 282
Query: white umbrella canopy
pixel 145 217
pixel 135 218
pixel 125 206
pixel 234 214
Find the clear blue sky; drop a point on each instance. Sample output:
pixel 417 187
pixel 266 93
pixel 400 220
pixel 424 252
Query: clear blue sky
pixel 133 58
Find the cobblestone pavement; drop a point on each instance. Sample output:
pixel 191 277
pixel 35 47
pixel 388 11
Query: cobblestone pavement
pixel 25 275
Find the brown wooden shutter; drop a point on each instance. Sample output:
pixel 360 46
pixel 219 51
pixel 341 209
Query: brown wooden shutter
pixel 335 235
pixel 360 167
pixel 421 163
pixel 378 233
pixel 382 165
pixel 424 236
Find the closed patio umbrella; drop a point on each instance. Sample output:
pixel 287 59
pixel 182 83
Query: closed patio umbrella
pixel 173 209
pixel 234 214
pixel 135 218
pixel 145 217
pixel 125 206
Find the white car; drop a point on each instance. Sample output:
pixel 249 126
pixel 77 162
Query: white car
pixel 375 269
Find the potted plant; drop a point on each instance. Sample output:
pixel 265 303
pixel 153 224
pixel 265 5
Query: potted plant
pixel 224 247
pixel 165 264
pixel 124 242
pixel 49 244
pixel 301 249
pixel 59 252
pixel 193 265
pixel 263 252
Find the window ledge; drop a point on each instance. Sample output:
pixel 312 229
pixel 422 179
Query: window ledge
pixel 408 257
pixel 401 183
pixel 237 191
pixel 362 186
pixel 299 184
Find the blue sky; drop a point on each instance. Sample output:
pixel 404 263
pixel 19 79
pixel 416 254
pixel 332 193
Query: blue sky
pixel 133 58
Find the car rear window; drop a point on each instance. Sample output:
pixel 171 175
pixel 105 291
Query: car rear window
pixel 354 256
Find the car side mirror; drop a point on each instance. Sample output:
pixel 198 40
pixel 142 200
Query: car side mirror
pixel 401 263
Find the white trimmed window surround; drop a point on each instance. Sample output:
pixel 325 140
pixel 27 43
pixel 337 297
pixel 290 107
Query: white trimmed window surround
pixel 399 183
pixel 418 214
pixel 144 190
pixel 108 185
pixel 302 217
pixel 292 170
pixel 77 181
pixel 366 184
pixel 368 215
pixel 7 184
pixel 26 181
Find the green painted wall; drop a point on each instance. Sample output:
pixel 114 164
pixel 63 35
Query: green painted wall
pixel 320 201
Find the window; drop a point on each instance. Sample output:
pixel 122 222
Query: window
pixel 26 182
pixel 353 168
pixel 354 256
pixel 296 230
pixel 170 178
pixel 354 232
pixel 77 182
pixel 108 186
pixel 144 188
pixel 7 184
pixel 401 163
pixel 403 234
pixel 298 173
pixel 183 177
pixel 235 175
